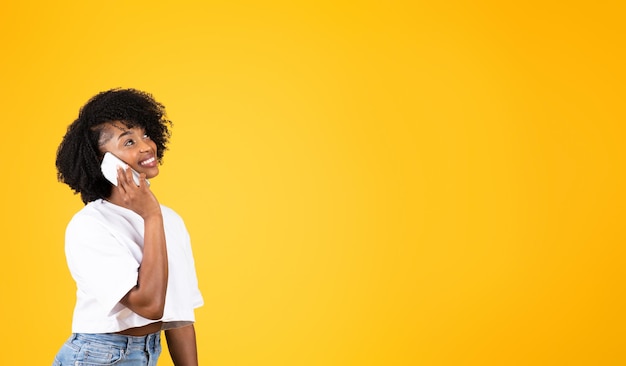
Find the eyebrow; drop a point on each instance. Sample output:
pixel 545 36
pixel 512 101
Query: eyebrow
pixel 127 132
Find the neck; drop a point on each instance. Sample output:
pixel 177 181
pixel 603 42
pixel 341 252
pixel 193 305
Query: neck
pixel 115 197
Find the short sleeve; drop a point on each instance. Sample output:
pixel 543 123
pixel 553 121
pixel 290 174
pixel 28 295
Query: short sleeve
pixel 196 296
pixel 102 266
pixel 183 294
pixel 190 266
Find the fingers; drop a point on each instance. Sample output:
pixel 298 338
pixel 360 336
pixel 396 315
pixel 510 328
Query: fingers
pixel 138 198
pixel 127 182
pixel 121 177
pixel 126 185
pixel 121 181
pixel 142 180
pixel 128 175
pixel 125 178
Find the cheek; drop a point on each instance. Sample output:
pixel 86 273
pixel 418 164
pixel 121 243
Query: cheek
pixel 153 145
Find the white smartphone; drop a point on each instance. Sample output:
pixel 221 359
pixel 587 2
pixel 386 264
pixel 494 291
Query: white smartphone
pixel 109 169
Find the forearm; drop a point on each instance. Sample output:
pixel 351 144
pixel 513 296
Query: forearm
pixel 148 297
pixel 181 343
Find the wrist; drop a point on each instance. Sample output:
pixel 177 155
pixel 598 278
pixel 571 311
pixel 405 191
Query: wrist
pixel 153 215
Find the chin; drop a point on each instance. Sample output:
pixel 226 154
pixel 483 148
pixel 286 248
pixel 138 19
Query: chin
pixel 152 174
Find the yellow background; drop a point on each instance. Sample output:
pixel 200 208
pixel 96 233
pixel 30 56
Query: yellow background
pixel 365 183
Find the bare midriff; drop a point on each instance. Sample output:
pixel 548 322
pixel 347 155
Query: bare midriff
pixel 142 331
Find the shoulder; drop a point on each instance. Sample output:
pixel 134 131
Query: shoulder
pixel 101 215
pixel 172 220
pixel 89 228
pixel 170 214
pixel 168 210
pixel 91 214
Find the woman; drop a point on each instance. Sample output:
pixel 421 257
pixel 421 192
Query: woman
pixel 130 256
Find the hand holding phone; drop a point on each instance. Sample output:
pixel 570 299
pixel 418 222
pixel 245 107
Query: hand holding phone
pixel 109 169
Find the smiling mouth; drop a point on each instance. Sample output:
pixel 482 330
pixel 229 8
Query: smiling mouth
pixel 148 161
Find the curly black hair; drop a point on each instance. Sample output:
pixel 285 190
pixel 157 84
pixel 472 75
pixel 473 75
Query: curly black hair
pixel 78 156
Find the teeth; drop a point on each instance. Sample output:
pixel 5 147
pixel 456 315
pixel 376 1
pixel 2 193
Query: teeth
pixel 149 161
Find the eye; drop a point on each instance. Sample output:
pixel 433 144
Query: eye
pixel 145 136
pixel 129 142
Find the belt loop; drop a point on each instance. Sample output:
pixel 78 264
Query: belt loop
pixel 129 341
pixel 149 341
pixel 156 340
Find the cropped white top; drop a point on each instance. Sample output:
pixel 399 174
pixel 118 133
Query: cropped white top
pixel 104 249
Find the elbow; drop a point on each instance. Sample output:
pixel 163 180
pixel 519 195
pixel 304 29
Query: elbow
pixel 145 304
pixel 153 315
pixel 154 311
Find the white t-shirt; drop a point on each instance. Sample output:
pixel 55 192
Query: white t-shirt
pixel 104 249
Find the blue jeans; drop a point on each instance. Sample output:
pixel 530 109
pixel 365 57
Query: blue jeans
pixel 109 349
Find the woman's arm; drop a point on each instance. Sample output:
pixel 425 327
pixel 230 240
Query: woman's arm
pixel 147 298
pixel 182 345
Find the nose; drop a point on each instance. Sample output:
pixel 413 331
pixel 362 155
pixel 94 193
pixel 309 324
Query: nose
pixel 144 146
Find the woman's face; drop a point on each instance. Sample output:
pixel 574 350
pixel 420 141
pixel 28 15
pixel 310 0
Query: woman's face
pixel 132 145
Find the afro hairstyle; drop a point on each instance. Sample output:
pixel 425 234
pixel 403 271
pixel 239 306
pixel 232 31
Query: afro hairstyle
pixel 78 156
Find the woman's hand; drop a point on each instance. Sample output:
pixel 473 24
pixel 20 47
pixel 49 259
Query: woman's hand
pixel 138 198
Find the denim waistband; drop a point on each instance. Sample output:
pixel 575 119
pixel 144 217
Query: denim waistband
pixel 146 342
